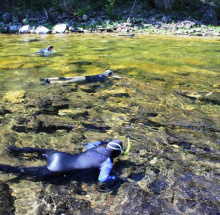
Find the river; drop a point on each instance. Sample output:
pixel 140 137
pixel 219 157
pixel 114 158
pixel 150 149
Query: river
pixel 167 103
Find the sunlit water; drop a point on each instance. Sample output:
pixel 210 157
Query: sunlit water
pixel 167 103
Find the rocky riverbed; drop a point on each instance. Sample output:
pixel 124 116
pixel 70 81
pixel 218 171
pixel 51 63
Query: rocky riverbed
pixel 146 21
pixel 167 104
pixel 169 168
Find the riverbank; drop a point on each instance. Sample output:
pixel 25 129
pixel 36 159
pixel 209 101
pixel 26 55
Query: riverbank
pixel 148 22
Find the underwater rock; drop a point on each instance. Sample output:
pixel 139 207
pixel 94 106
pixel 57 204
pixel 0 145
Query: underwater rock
pixel 73 113
pixel 43 123
pixel 158 186
pixel 51 124
pixel 51 105
pixel 4 111
pixel 14 96
pixel 64 200
pixel 212 97
pixel 6 200
pixel 26 124
pixel 89 88
pixel 121 92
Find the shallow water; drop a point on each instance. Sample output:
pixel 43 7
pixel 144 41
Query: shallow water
pixel 167 103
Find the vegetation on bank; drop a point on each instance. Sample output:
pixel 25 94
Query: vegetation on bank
pixel 80 7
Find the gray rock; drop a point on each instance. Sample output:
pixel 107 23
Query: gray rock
pixel 25 21
pixel 60 28
pixel 14 28
pixel 85 18
pixel 2 24
pixel 179 25
pixel 188 24
pixel 80 30
pixel 191 31
pixel 147 25
pixel 15 19
pixel 25 29
pixel 166 19
pixel 72 29
pixel 178 32
pixel 7 17
pixel 42 30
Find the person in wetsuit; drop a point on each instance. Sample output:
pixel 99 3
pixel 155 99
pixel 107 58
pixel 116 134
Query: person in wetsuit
pixel 80 79
pixel 95 157
pixel 46 52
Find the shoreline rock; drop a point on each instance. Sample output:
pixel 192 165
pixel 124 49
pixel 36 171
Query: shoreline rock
pixel 152 22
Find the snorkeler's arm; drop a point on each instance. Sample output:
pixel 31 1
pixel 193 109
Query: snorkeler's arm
pixel 105 170
pixel 95 144
pixel 115 76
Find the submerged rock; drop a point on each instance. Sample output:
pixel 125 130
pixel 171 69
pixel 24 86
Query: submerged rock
pixel 51 105
pixel 14 96
pixel 212 97
pixel 6 200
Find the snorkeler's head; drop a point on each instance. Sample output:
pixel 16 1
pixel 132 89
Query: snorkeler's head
pixel 50 48
pixel 109 73
pixel 116 147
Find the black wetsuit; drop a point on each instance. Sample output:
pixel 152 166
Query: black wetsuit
pixel 96 78
pixel 61 162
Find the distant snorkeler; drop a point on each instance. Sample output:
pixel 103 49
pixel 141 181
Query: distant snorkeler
pixel 46 51
pixel 80 79
pixel 59 163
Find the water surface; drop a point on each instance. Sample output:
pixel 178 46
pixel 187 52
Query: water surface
pixel 167 103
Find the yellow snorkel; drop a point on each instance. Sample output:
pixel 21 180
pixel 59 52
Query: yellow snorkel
pixel 128 148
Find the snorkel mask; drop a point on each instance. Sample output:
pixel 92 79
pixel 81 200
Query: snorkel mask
pixel 117 146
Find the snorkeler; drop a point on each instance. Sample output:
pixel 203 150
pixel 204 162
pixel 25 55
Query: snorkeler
pixel 60 163
pixel 80 79
pixel 46 52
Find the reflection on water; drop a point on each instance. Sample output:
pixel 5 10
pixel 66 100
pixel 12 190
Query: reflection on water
pixel 167 103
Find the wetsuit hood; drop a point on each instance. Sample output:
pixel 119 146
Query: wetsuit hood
pixel 50 48
pixel 116 148
pixel 109 73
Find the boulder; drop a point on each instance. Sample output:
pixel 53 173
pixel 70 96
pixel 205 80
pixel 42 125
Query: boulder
pixel 14 28
pixel 188 24
pixel 25 29
pixel 42 30
pixel 166 19
pixel 3 28
pixel 72 29
pixel 7 17
pixel 85 18
pixel 60 28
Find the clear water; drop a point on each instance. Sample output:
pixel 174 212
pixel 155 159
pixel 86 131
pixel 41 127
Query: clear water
pixel 167 103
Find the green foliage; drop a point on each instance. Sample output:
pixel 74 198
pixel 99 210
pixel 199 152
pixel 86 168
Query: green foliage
pixel 30 4
pixel 81 12
pixel 80 7
pixel 109 7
